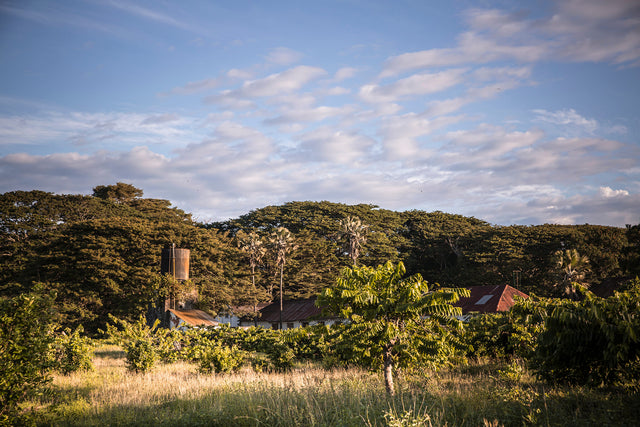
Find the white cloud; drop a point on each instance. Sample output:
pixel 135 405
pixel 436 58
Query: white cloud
pixel 235 73
pixel 283 56
pixel 400 135
pixel 154 15
pixel 127 129
pixel 415 85
pixel 308 114
pixel 195 87
pixel 338 147
pixel 491 173
pixel 277 84
pixel 502 73
pixel 160 118
pixel 577 30
pixel 567 117
pixel 344 73
pixel 287 81
pixel 472 48
pixel 608 192
pixel 337 90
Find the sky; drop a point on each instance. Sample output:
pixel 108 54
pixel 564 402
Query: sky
pixel 511 112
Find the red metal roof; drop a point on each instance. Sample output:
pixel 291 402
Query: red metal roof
pixel 195 317
pixel 294 310
pixel 489 299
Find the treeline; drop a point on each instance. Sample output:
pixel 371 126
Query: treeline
pixel 101 253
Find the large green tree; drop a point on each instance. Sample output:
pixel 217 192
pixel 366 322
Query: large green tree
pixel 394 319
pixel 103 255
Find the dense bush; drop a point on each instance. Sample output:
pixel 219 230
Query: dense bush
pixel 73 352
pixel 593 341
pixel 508 335
pixel 220 359
pixel 26 337
pixel 141 355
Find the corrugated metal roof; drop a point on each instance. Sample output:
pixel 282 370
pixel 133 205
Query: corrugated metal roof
pixel 295 310
pixel 489 299
pixel 195 317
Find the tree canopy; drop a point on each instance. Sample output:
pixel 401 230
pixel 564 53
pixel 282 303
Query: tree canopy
pixel 392 319
pixel 101 253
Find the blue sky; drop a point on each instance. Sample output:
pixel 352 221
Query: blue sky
pixel 512 112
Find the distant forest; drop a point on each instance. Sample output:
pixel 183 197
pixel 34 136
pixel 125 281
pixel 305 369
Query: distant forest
pixel 101 253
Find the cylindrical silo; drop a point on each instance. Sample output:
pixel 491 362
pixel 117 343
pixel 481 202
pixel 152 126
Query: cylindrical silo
pixel 175 262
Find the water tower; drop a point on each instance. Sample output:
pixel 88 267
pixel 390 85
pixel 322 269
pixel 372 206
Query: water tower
pixel 175 263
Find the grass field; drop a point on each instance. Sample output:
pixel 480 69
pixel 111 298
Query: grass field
pixel 177 395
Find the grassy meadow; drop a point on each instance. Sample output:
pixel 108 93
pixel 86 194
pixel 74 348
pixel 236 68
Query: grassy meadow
pixel 177 395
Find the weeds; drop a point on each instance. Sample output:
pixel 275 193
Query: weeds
pixel 308 395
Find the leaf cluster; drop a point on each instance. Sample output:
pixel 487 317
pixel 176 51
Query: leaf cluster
pixel 27 334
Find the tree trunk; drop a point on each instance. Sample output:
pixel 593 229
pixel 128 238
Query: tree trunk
pixel 387 359
pixel 255 296
pixel 281 282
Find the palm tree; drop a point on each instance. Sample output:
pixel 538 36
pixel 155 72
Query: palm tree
pixel 282 243
pixel 354 231
pixel 252 245
pixel 573 267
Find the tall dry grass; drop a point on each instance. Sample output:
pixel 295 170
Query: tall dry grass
pixel 177 395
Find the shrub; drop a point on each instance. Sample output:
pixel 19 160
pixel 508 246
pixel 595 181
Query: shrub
pixel 26 336
pixel 507 335
pixel 259 362
pixel 281 356
pixel 593 341
pixel 220 359
pixel 141 356
pixel 73 352
pixel 169 344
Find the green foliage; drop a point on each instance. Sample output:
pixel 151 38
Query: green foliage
pixel 102 256
pixel 354 232
pixel 26 336
pixel 593 341
pixel 307 343
pixel 488 336
pixel 281 356
pixel 120 192
pixel 632 251
pixel 508 335
pixel 101 253
pixel 407 419
pixel 220 359
pixel 73 352
pixel 141 355
pixel 169 345
pixel 511 373
pixel 123 332
pixel 392 321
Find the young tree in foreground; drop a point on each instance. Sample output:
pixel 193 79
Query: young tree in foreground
pixel 396 316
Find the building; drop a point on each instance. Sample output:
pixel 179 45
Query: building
pixel 295 314
pixel 232 316
pixel 181 319
pixel 488 299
